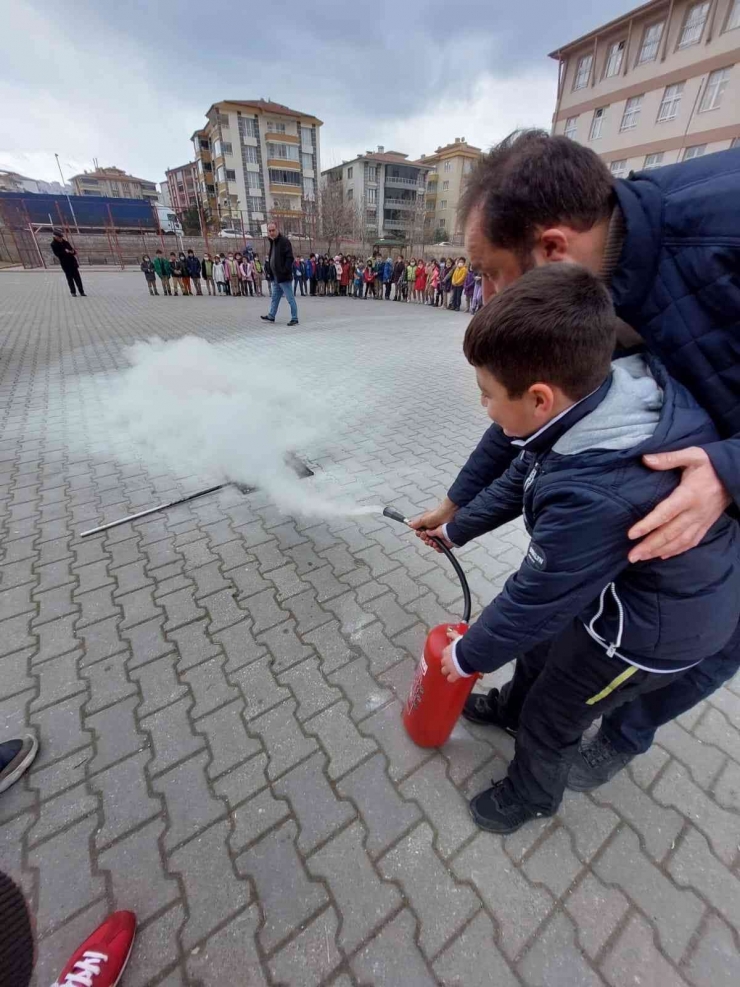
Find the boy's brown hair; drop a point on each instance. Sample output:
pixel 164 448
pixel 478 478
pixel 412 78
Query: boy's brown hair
pixel 555 324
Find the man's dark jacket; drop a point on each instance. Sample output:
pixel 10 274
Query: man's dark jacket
pixel 193 264
pixel 677 284
pixel 281 259
pixel 579 497
pixel 59 249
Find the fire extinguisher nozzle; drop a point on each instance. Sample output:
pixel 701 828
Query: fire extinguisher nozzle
pixel 395 515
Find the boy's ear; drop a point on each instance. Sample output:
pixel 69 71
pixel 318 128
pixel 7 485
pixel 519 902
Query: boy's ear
pixel 543 396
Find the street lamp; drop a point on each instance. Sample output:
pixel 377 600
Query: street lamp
pixel 69 201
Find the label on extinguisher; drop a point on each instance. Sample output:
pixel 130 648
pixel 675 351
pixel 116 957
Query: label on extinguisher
pixel 423 667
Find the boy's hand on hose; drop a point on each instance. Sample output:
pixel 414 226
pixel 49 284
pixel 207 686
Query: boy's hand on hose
pixel 448 666
pixel 433 519
pixel 427 535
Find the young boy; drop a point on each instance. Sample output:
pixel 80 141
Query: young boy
pixel 589 630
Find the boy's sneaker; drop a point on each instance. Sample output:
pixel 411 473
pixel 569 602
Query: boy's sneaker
pixel 293 322
pixel 16 756
pixel 500 810
pixel 102 957
pixel 596 762
pixel 486 709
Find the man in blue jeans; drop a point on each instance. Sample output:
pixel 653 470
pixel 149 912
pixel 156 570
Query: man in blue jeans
pixel 665 243
pixel 280 267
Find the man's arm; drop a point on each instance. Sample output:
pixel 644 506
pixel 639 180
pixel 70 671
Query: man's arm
pixel 496 504
pixel 578 546
pixel 489 460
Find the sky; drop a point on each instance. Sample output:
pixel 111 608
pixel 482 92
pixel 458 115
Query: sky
pixel 127 82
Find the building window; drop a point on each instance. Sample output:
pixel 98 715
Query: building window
pixel 350 172
pixel 618 168
pixel 217 152
pixel 253 179
pixel 250 154
pixel 671 102
pixel 650 43
pixel 733 20
pixel 115 194
pixel 205 144
pixel 614 58
pixel 653 161
pixel 306 133
pixel 350 194
pixel 275 127
pixel 443 204
pixel 371 172
pixel 445 186
pixel 288 152
pixel 631 113
pixel 583 72
pixel 222 119
pixel 448 166
pixel 571 125
pixel 697 151
pixel 220 173
pixel 207 166
pixel 211 189
pixel 248 126
pixel 597 124
pixel 372 196
pixel 228 149
pixel 716 85
pixel 308 188
pixel 441 223
pixel 693 27
pixel 282 177
pixel 230 175
pixel 307 161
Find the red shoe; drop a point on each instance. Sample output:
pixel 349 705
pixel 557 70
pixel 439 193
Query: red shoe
pixel 102 957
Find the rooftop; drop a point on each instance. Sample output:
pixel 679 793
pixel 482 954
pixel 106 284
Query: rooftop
pixel 114 173
pixel 266 106
pixel 646 8
pixel 459 145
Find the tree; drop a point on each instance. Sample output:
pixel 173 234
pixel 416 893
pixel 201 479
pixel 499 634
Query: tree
pixel 190 221
pixel 440 235
pixel 337 216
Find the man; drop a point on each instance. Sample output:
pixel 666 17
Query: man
pixel 67 257
pixel 193 267
pixel 280 267
pixel 665 242
pixel 298 271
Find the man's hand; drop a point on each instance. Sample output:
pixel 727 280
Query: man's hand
pixel 448 666
pixel 680 521
pixel 427 523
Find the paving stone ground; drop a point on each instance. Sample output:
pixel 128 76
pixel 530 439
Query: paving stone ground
pixel 217 691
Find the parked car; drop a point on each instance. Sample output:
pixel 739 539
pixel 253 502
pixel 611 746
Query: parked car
pixel 231 234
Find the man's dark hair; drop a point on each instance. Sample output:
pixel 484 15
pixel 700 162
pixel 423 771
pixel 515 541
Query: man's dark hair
pixel 555 324
pixel 532 180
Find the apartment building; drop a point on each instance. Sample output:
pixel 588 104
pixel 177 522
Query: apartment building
pixel 387 191
pixel 445 182
pixel 182 186
pixel 257 160
pixel 11 181
pixel 660 84
pixel 114 182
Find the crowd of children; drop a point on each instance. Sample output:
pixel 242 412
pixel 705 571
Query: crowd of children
pixel 445 283
pixel 232 274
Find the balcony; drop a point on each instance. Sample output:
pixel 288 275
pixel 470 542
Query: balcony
pixel 391 182
pixel 281 189
pixel 395 224
pixel 407 204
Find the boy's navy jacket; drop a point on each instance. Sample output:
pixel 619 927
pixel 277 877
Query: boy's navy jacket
pixel 193 263
pixel 677 284
pixel 581 485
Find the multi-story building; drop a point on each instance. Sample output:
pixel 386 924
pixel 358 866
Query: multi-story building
pixel 164 194
pixel 257 160
pixel 658 85
pixel 387 191
pixel 114 182
pixel 445 182
pixel 11 181
pixel 182 185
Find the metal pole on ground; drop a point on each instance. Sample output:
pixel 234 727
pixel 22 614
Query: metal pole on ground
pixel 151 510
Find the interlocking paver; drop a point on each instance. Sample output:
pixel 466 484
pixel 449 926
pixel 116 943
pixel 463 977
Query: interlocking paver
pixel 224 665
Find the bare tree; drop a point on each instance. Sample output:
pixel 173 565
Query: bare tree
pixel 338 217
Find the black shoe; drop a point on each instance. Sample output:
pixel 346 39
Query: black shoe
pixel 595 764
pixel 73 294
pixel 500 810
pixel 83 295
pixel 16 756
pixel 486 709
pixel 267 318
pixel 293 322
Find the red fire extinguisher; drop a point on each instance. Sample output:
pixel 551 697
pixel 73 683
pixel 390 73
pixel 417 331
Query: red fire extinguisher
pixel 434 704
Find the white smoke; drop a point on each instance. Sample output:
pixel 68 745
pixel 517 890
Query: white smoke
pixel 187 403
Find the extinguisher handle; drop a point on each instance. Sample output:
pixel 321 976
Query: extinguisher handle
pixel 460 575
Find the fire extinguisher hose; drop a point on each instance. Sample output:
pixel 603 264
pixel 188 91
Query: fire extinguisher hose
pixel 395 515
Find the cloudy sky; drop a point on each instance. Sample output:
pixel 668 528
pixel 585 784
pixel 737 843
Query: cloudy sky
pixel 128 81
